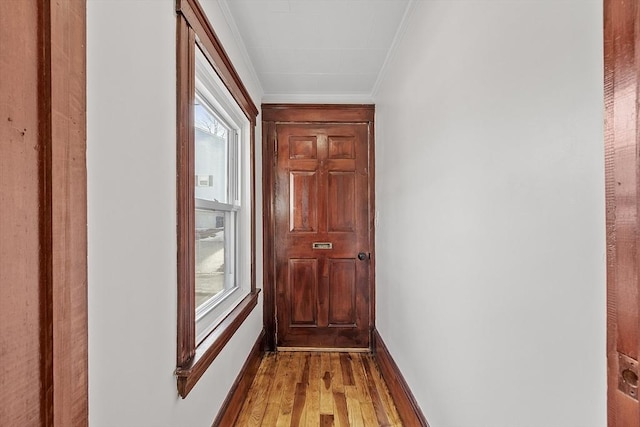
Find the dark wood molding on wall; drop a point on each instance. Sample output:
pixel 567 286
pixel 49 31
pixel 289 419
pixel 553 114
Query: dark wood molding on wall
pixel 321 113
pixel 230 409
pixel 217 56
pixel 622 168
pixel 273 114
pixel 408 408
pixel 43 255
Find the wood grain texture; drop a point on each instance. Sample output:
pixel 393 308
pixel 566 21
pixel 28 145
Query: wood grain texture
pixel 230 409
pixel 327 113
pixel 308 389
pixel 212 345
pixel 43 254
pixel 408 408
pixel 68 192
pixel 20 194
pixel 622 67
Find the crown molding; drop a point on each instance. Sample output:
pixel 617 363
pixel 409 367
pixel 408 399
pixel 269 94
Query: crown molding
pixel 228 16
pixel 402 28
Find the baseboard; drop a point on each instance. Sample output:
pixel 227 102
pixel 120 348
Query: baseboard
pixel 408 408
pixel 233 403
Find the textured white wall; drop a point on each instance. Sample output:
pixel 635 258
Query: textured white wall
pixel 131 67
pixel 490 191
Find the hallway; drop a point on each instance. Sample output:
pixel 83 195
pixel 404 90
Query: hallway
pixel 318 389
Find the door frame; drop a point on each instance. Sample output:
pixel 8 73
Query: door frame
pixel 273 114
pixel 622 168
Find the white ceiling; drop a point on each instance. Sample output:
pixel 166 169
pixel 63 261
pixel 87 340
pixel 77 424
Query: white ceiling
pixel 317 49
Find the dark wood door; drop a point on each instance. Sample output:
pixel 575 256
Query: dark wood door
pixel 322 225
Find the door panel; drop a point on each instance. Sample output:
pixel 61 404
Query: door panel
pixel 303 276
pixel 342 292
pixel 321 224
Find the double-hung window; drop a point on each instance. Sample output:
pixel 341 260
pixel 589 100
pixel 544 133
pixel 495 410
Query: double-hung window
pixel 215 197
pixel 217 205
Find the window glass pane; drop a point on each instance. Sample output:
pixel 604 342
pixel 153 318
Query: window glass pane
pixel 210 255
pixel 211 157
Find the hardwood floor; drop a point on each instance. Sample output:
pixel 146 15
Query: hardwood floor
pixel 318 389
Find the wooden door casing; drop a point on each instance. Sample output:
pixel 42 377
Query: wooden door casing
pixel 318 188
pixel 622 141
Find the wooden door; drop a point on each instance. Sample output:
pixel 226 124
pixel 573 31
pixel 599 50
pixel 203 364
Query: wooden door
pixel 322 235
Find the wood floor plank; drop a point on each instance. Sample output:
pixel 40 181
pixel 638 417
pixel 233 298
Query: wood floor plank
pixel 326 393
pixel 381 385
pixel 297 418
pixel 326 420
pixel 313 392
pixel 353 406
pixel 341 411
pixel 308 389
pixel 347 370
pixel 264 381
pixel 270 418
pixel 374 394
pixel 255 392
pixel 288 392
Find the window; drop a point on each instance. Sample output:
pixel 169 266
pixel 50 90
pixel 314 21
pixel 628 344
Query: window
pixel 216 232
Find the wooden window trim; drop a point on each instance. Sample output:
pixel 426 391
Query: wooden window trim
pixel 193 28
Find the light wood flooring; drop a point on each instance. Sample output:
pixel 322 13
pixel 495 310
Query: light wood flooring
pixel 318 389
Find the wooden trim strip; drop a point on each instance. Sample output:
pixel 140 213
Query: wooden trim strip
pixel 67 211
pixel 208 349
pixel 45 215
pixel 230 409
pixel 186 337
pixel 622 139
pixel 408 408
pixel 324 349
pixel 326 113
pixel 268 233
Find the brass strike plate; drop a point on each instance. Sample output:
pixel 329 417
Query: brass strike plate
pixel 628 376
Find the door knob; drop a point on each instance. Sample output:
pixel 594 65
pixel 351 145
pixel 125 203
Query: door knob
pixel 362 256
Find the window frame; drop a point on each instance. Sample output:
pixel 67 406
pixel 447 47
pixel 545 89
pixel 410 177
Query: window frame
pixel 193 31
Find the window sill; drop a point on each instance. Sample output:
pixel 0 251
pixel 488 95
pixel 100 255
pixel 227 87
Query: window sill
pixel 189 374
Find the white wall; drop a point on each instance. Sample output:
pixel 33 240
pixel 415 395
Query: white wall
pixel 131 140
pixel 490 244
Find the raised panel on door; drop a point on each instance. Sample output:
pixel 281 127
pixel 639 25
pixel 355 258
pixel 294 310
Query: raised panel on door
pixel 303 201
pixel 341 199
pixel 303 289
pixel 342 292
pixel 321 224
